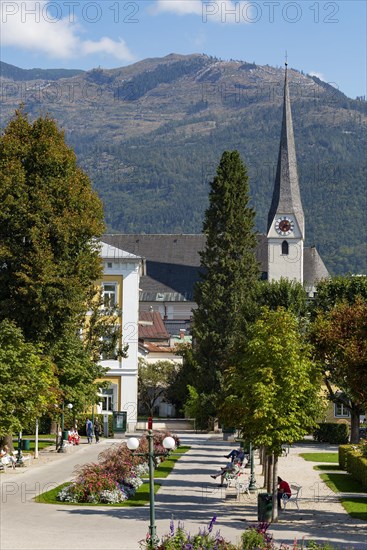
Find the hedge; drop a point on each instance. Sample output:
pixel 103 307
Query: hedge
pixel 343 452
pixel 357 467
pixel 329 432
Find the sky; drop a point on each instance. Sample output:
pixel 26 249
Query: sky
pixel 322 38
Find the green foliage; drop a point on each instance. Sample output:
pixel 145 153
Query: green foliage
pixel 27 380
pixel 224 294
pixel 342 453
pixel 339 337
pixel 290 295
pixel 273 392
pixel 333 291
pixel 153 379
pixel 50 219
pixel 182 376
pixel 330 432
pixel 200 406
pixel 357 467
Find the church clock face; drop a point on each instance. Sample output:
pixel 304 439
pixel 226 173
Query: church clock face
pixel 284 226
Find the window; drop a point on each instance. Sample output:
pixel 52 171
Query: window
pixel 285 248
pixel 107 401
pixel 341 410
pixel 109 295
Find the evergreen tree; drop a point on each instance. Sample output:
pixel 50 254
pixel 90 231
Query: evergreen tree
pixel 225 292
pixel 50 220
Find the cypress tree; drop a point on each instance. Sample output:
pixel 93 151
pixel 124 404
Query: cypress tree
pixel 225 293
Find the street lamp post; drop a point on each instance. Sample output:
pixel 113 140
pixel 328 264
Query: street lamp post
pixel 168 444
pixel 62 446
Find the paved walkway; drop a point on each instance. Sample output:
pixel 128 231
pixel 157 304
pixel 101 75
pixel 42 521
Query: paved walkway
pixel 188 495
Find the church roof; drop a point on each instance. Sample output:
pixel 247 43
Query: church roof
pixel 314 268
pixel 286 194
pixel 172 262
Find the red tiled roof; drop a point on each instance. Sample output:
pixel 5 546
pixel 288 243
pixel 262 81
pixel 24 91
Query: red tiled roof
pixel 155 330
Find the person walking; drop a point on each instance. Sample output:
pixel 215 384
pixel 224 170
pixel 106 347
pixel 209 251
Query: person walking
pixel 97 429
pixel 89 430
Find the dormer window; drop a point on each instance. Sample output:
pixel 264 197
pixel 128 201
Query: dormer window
pixel 285 248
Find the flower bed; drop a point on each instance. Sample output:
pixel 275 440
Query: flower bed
pixel 116 476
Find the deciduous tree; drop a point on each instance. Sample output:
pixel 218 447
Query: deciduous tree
pixel 152 382
pixel 50 221
pixel 273 393
pixel 28 385
pixel 340 343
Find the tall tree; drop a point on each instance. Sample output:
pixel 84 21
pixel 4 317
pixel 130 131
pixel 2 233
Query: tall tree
pixel 273 393
pixel 50 220
pixel 224 294
pixel 340 343
pixel 28 386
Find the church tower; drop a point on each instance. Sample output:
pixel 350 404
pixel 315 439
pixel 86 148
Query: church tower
pixel 286 224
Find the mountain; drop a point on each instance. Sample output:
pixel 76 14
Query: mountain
pixel 151 134
pixel 15 73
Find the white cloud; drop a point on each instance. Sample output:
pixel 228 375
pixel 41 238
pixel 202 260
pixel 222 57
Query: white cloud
pixel 223 11
pixel 179 7
pixel 29 25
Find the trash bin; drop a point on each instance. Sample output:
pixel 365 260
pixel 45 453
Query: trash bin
pixel 264 507
pixel 26 444
pixel 65 435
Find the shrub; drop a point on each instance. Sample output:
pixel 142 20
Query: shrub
pixel 329 432
pixel 357 467
pixel 343 453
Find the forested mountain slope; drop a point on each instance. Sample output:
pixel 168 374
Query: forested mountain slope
pixel 150 135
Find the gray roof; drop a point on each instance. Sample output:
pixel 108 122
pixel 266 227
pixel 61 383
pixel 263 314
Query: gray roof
pixel 172 263
pixel 286 194
pixel 314 268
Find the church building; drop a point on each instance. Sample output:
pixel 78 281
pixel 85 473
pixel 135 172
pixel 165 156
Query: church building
pixel 173 262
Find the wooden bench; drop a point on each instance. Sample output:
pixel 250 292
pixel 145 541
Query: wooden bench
pixel 296 490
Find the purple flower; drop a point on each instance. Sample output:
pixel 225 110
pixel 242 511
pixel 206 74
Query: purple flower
pixel 211 524
pixel 172 528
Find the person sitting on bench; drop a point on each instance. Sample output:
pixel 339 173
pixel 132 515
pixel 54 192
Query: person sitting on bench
pixel 283 489
pixel 236 456
pixel 230 467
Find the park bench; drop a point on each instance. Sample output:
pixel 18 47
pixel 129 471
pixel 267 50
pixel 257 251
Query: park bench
pixel 296 489
pixel 233 476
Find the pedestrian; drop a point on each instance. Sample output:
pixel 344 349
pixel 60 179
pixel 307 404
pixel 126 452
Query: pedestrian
pixel 89 430
pixel 97 430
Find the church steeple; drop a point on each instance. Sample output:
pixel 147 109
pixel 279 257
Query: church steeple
pixel 286 194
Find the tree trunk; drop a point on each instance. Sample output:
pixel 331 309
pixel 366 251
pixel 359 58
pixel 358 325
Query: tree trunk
pixel 354 424
pixel 269 474
pixel 274 491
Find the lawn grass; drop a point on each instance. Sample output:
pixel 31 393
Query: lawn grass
pixel 321 457
pixel 342 483
pixel 165 468
pixel 140 498
pixel 356 507
pixel 327 467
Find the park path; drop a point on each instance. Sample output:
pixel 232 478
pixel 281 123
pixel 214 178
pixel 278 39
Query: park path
pixel 188 495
